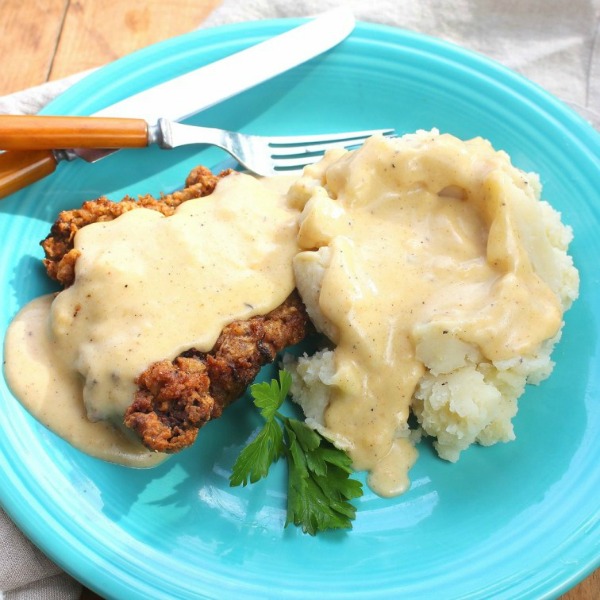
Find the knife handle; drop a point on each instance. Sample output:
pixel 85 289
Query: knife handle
pixel 34 132
pixel 19 169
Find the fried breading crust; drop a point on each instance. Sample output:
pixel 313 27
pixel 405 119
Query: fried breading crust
pixel 58 245
pixel 176 398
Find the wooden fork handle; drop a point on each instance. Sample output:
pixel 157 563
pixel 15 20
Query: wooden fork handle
pixel 33 132
pixel 19 169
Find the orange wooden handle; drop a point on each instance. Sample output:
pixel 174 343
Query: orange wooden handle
pixel 19 169
pixel 33 132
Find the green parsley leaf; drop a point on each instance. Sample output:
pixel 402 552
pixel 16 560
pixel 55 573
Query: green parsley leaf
pixel 255 459
pixel 319 489
pixel 319 483
pixel 270 396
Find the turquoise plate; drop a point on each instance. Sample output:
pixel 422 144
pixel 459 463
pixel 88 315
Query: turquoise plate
pixel 515 520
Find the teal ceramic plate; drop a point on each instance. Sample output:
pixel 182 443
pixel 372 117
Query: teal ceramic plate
pixel 515 520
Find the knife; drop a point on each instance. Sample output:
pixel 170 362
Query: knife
pixel 178 98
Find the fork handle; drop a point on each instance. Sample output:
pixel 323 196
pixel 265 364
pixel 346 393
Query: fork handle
pixel 19 169
pixel 34 132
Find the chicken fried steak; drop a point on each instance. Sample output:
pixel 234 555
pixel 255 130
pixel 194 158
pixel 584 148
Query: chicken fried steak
pixel 58 246
pixel 175 398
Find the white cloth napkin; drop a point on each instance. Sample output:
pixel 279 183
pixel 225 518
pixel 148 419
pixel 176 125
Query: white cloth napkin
pixel 555 43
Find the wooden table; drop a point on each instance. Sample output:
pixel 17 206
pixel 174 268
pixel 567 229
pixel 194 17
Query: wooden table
pixel 43 40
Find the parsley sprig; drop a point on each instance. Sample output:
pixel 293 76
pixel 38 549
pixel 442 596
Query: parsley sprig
pixel 319 483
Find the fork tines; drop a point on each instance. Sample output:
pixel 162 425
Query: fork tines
pixel 290 153
pixel 287 145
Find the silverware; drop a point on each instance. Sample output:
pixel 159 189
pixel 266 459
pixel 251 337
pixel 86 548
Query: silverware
pixel 93 135
pixel 197 90
pixel 262 155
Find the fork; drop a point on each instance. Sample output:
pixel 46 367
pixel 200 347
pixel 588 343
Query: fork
pixel 43 141
pixel 262 155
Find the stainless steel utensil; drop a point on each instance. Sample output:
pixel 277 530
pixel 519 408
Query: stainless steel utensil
pixel 197 90
pixel 93 135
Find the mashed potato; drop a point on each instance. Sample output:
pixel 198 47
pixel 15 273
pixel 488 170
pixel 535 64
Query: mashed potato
pixel 440 279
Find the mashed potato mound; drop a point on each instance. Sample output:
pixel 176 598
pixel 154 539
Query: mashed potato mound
pixel 463 389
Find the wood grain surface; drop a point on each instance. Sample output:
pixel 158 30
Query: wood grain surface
pixel 43 40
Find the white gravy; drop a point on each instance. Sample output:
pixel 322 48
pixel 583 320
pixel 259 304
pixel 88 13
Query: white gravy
pixel 429 237
pixel 148 287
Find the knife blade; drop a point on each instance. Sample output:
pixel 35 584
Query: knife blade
pixel 178 98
